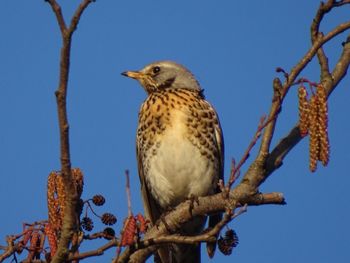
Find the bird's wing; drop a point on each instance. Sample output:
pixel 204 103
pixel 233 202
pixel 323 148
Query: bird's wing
pixel 152 210
pixel 220 144
pixel 219 139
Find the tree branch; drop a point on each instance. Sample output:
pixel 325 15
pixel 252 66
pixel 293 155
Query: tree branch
pixel 184 212
pixel 71 218
pixel 96 252
pixel 280 151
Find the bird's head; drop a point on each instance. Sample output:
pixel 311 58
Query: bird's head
pixel 162 75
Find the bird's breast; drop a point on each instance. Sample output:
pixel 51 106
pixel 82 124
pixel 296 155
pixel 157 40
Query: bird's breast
pixel 175 166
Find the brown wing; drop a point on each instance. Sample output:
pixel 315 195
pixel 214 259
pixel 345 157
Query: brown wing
pixel 152 211
pixel 219 139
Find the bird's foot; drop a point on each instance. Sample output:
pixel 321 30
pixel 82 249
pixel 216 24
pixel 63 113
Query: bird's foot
pixel 162 219
pixel 192 199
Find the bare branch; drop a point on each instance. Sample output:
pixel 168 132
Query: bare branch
pixel 235 169
pixel 76 17
pixel 277 155
pixel 273 115
pixel 206 236
pixel 56 8
pixel 71 218
pixel 206 205
pixel 10 249
pixel 96 252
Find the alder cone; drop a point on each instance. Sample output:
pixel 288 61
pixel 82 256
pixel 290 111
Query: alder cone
pixel 98 200
pixel 228 242
pixel 87 223
pixel 108 219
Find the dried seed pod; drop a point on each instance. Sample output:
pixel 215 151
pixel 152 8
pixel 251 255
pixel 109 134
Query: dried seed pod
pixel 228 242
pixel 52 239
pixel 87 223
pixel 129 231
pixel 323 125
pixel 108 219
pixel 109 233
pixel 303 111
pixel 98 200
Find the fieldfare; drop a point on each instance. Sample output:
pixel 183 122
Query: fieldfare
pixel 180 150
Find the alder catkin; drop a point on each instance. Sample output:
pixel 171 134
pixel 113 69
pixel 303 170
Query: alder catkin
pixel 78 177
pixel 323 125
pixel 61 196
pixel 303 111
pixel 52 239
pixel 52 202
pixel 314 142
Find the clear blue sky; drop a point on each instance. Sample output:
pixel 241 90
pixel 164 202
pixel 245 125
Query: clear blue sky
pixel 233 48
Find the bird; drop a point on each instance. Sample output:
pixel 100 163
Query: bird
pixel 180 150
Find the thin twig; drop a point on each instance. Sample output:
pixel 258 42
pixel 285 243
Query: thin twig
pixel 10 249
pixel 236 168
pixel 128 193
pixel 315 33
pixel 56 8
pixel 276 105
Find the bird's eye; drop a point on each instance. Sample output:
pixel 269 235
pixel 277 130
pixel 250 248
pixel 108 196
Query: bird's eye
pixel 156 69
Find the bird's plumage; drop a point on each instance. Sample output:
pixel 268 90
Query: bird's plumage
pixel 179 148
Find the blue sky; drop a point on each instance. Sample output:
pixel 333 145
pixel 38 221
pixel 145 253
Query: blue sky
pixel 233 48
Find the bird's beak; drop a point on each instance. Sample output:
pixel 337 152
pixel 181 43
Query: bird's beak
pixel 134 74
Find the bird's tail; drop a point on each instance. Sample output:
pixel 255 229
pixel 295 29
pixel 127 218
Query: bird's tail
pixel 179 253
pixel 184 253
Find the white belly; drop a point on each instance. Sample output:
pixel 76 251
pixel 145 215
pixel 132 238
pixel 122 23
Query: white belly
pixel 178 170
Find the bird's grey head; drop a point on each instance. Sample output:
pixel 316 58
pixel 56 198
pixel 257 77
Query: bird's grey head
pixel 164 74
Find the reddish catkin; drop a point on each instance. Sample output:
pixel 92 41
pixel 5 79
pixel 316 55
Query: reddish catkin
pixel 323 125
pixel 41 243
pixel 52 202
pixel 129 231
pixel 303 111
pixel 34 245
pixel 78 176
pixel 314 143
pixel 143 223
pixel 52 239
pixel 61 194
pixel 26 237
